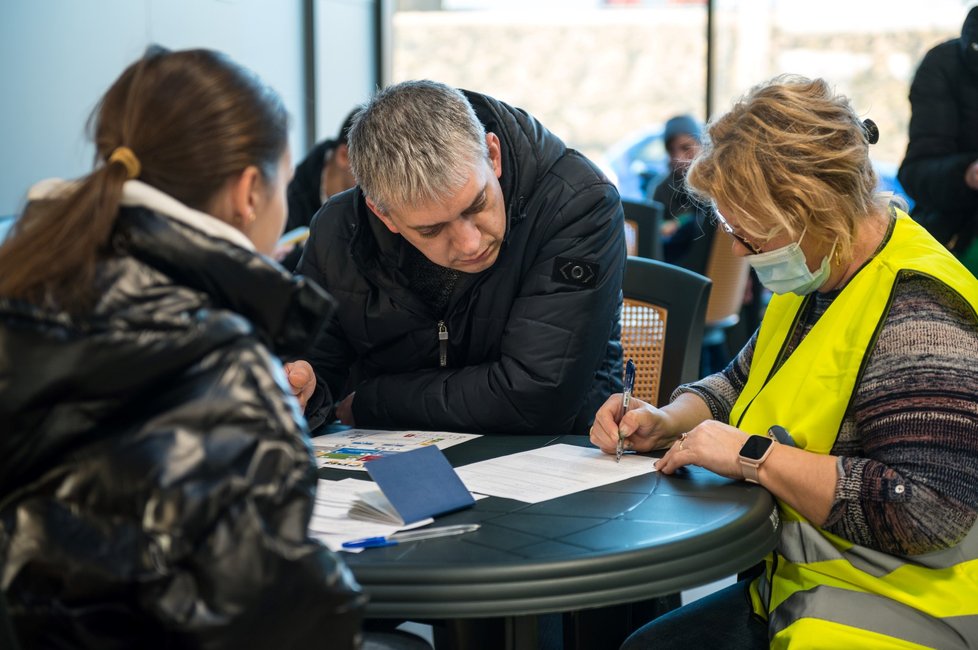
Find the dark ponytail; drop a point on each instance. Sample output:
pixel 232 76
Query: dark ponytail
pixel 193 120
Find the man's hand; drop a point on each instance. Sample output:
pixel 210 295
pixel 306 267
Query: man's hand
pixel 302 380
pixel 344 410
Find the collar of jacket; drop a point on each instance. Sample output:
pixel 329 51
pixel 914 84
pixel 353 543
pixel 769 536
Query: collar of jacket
pixel 206 254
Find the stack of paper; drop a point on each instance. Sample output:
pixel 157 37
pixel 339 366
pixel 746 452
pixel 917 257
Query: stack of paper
pixel 374 506
pixel 331 521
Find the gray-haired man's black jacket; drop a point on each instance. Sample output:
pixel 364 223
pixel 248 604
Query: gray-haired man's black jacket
pixel 534 343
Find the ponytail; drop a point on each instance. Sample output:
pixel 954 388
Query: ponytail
pixel 49 259
pixel 226 119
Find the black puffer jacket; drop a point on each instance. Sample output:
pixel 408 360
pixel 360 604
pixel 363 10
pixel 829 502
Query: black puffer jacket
pixel 155 478
pixel 944 138
pixel 526 353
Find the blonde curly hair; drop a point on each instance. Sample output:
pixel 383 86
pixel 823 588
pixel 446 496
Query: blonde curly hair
pixel 790 155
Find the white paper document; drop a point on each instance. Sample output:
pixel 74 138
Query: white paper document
pixel 351 449
pixel 550 472
pixel 331 521
pixel 374 506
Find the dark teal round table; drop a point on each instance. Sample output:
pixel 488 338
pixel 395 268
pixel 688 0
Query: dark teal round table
pixel 635 539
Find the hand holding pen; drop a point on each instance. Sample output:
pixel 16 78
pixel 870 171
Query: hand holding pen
pixel 626 396
pixel 644 426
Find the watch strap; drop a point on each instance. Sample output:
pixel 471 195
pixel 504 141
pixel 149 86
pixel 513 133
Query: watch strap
pixel 750 468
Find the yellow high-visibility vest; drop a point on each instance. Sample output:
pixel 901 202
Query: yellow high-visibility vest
pixel 819 590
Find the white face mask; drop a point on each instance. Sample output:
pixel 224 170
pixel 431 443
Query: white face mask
pixel 784 270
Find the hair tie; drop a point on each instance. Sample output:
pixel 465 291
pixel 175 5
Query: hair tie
pixel 129 160
pixel 871 131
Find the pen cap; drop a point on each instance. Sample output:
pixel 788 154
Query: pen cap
pixel 432 533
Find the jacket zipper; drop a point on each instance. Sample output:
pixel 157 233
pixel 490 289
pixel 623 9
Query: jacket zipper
pixel 442 344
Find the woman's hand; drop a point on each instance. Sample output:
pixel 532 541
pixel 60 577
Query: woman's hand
pixel 644 426
pixel 302 381
pixel 712 445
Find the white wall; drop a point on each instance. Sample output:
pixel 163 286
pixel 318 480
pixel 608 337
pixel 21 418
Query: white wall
pixel 345 60
pixel 57 57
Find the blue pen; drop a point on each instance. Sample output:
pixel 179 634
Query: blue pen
pixel 411 536
pixel 626 397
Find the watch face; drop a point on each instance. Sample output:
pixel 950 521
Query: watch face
pixel 755 447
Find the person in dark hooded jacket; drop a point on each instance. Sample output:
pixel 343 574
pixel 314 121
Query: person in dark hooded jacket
pixel 686 228
pixel 324 171
pixel 940 169
pixel 477 266
pixel 156 481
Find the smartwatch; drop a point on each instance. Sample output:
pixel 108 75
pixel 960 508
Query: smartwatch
pixel 754 452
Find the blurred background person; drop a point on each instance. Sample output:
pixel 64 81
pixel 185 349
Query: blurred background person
pixel 686 230
pixel 324 172
pixel 156 481
pixel 940 170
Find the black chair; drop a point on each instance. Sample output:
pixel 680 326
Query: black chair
pixel 662 325
pixel 662 330
pixel 642 221
pixel 729 274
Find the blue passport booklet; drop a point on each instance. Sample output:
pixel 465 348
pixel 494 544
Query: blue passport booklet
pixel 414 486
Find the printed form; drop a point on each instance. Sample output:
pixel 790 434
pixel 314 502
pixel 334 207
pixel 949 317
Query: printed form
pixel 550 472
pixel 352 449
pixel 331 522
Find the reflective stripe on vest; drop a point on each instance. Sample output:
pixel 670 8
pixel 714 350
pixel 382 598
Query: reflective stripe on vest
pixel 823 584
pixel 802 542
pixel 864 620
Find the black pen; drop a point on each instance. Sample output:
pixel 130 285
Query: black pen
pixel 626 397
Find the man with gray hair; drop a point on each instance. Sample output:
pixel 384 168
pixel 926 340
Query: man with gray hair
pixel 477 266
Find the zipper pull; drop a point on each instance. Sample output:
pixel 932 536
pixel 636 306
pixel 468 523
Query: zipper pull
pixel 442 344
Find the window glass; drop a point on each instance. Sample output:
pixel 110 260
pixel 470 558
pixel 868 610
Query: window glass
pixel 868 50
pixel 603 76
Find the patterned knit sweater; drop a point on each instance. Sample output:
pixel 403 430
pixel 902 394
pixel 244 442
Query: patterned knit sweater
pixel 908 446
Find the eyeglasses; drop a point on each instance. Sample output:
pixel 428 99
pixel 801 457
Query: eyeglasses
pixel 727 228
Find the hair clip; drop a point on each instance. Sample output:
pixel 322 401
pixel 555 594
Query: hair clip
pixel 871 131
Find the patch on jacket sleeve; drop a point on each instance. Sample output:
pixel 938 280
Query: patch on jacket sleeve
pixel 579 273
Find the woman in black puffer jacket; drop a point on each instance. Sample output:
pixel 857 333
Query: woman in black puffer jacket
pixel 156 480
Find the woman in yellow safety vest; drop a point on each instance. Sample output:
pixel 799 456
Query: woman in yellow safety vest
pixel 855 403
